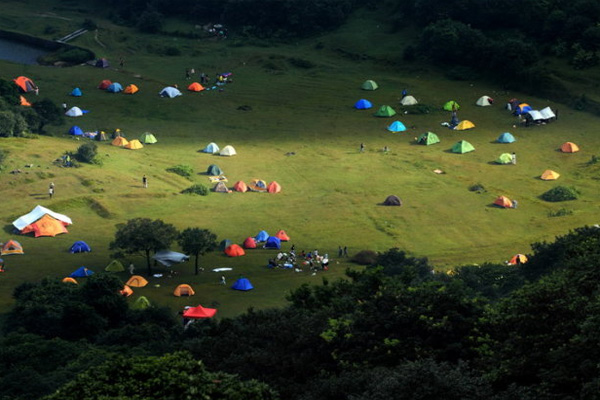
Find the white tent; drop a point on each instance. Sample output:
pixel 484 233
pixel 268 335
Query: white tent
pixel 484 101
pixel 547 113
pixel 228 151
pixel 408 101
pixel 535 115
pixel 170 91
pixel 74 112
pixel 169 258
pixel 37 213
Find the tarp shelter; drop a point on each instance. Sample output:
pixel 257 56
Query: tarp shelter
pixel 214 170
pixel 549 175
pixel 408 101
pixel 170 92
pixel 369 85
pixel 242 284
pixel 274 187
pixel 199 312
pixel 102 63
pixel 80 247
pixel 114 87
pixel 363 104
pixel 134 145
pixel 119 141
pixel 385 112
pixel 68 279
pixel 225 243
pixel 503 201
pixel 81 272
pixel 428 138
pixel 169 258
pixel 523 108
pixel 392 200
pixel 547 113
pixel 126 291
pixel 131 89
pixel 45 226
pixel 25 84
pixel 262 236
pixel 396 126
pixel 211 148
pixel 37 213
pixel 114 266
pixel 451 106
pixel 23 101
pixel 148 138
pixel 569 147
pixel 249 243
pixel 136 281
pixel 183 290
pixel 282 235
pixel 104 84
pixel 257 185
pixel 484 101
pixel 506 137
pixel 76 92
pixel 74 112
pixel 535 115
pixel 464 125
pixel 462 147
pixel 195 87
pixel 221 187
pixel 11 247
pixel 75 131
pixel 234 251
pixel 240 186
pixel 228 151
pixel 141 303
pixel 505 158
pixel 518 259
pixel 272 242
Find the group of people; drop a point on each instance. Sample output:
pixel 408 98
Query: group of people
pixel 220 79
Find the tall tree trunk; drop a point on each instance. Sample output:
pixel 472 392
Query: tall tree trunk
pixel 148 262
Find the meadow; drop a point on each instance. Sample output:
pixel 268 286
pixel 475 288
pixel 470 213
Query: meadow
pixel 285 98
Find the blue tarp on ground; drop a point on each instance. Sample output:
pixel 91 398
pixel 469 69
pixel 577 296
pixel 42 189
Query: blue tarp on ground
pixel 363 104
pixel 80 247
pixel 81 272
pixel 76 131
pixel 242 284
pixel 506 138
pixel 262 236
pixel 273 243
pixel 76 92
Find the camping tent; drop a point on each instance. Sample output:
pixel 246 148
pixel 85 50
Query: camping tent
pixel 228 151
pixel 262 236
pixel 503 201
pixel 505 158
pixel 25 84
pixel 104 84
pixel 214 170
pixel 484 101
pixel 385 112
pixel 234 250
pixel 76 92
pixel 272 242
pixel 225 243
pixel 221 187
pixel 199 312
pixel 80 247
pixel 257 185
pixel 120 141
pixel 169 258
pixel 131 89
pixel 134 145
pixel 76 131
pixel 242 284
pixel 506 138
pixel 114 266
pixel 569 147
pixel 464 125
pixel 23 101
pixel 408 101
pixel 534 115
pixel 240 186
pixel 396 126
pixel 102 63
pixel 428 138
pixel 195 87
pixel 37 213
pixel 363 104
pixel 451 106
pixel 68 279
pixel 523 108
pixel 274 187
pixel 81 272
pixel 114 87
pixel 249 243
pixel 141 303
pixel 518 259
pixel 148 138
pixel 462 147
pixel 11 247
pixel 549 175
pixel 170 92
pixel 45 226
pixel 369 85
pixel 126 291
pixel 136 281
pixel 211 148
pixel 547 113
pixel 183 290
pixel 392 200
pixel 283 236
pixel 74 112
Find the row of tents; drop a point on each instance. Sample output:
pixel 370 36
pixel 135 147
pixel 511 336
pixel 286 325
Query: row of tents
pixel 252 242
pixel 255 185
pixel 213 148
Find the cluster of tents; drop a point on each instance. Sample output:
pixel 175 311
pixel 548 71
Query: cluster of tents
pixel 134 144
pixel 213 148
pixel 253 242
pixel 42 222
pixel 524 110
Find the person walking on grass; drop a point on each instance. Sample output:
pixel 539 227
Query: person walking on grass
pixel 362 147
pixel 223 281
pixel 145 182
pixel 51 191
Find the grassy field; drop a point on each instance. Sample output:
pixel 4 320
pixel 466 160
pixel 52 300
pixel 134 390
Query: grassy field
pixel 330 191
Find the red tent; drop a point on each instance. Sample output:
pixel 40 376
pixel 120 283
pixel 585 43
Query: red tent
pixel 274 187
pixel 104 84
pixel 281 235
pixel 240 186
pixel 249 243
pixel 234 251
pixel 199 312
pixel 503 201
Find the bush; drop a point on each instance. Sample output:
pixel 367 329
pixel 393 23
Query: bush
pixel 3 156
pixel 561 212
pixel 67 55
pixel 364 257
pixel 87 152
pixel 478 187
pixel 561 193
pixel 182 170
pixel 198 189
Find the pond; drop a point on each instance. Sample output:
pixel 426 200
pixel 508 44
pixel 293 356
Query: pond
pixel 20 53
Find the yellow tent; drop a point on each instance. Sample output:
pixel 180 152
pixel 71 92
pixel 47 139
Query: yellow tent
pixel 68 279
pixel 569 147
pixel 136 281
pixel 550 175
pixel 119 141
pixel 464 125
pixel 134 145
pixel 184 290
pixel 130 89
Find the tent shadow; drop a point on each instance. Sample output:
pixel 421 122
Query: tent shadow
pixel 10 229
pixel 36 194
pixel 492 205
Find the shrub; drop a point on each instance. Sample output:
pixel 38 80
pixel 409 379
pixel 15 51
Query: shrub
pixel 364 257
pixel 3 156
pixel 198 189
pixel 561 193
pixel 561 212
pixel 478 187
pixel 87 152
pixel 182 170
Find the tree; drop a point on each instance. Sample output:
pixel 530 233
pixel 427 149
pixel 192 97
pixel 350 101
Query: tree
pixel 48 112
pixel 142 235
pixel 87 152
pixel 198 242
pixel 9 92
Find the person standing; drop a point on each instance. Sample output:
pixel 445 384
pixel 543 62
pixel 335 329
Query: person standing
pixel 513 158
pixel 145 181
pixel 345 251
pixel 223 281
pixel 362 147
pixel 51 191
pixel 131 269
pixel 340 251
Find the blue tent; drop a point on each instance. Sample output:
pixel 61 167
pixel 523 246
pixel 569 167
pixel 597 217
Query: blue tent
pixel 75 130
pixel 363 104
pixel 81 272
pixel 396 126
pixel 506 138
pixel 76 92
pixel 212 148
pixel 262 236
pixel 273 243
pixel 522 109
pixel 114 87
pixel 242 284
pixel 80 247
pixel 170 91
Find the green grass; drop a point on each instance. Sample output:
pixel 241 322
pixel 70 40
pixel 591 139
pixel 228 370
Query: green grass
pixel 330 192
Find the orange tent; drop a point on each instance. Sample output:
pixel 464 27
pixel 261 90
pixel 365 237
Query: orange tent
pixel 136 281
pixel 195 87
pixel 249 243
pixel 131 89
pixel 518 259
pixel 104 84
pixel 126 291
pixel 25 84
pixel 68 279
pixel 184 290
pixel 24 102
pixel 274 187
pixel 234 251
pixel 120 141
pixel 134 145
pixel 503 201
pixel 281 235
pixel 550 175
pixel 569 147
pixel 46 226
pixel 240 186
pixel 11 247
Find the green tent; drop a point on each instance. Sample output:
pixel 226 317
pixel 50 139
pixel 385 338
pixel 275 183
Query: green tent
pixel 214 170
pixel 451 106
pixel 140 303
pixel 385 111
pixel 115 266
pixel 462 147
pixel 369 85
pixel 148 138
pixel 505 158
pixel 428 138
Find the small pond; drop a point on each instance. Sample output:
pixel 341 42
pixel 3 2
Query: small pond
pixel 20 53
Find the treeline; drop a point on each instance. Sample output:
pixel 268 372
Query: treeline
pixel 394 330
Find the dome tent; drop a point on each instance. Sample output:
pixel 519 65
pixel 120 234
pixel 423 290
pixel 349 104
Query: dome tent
pixel 408 101
pixel 484 101
pixel 131 89
pixel 240 186
pixel 81 272
pixel 272 242
pixel 549 175
pixel 104 84
pixel 505 158
pixel 214 170
pixel 392 200
pixel 262 236
pixel 385 112
pixel 462 147
pixel 76 92
pixel 183 290
pixel 369 85
pixel 396 126
pixel 80 247
pixel 75 131
pixel 234 251
pixel 170 92
pixel 228 151
pixel 363 104
pixel 506 137
pixel 503 201
pixel 211 148
pixel 249 243
pixel 114 87
pixel 428 138
pixel 242 284
pixel 148 138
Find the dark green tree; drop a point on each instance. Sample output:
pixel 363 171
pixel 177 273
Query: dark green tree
pixel 9 92
pixel 48 112
pixel 198 242
pixel 87 152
